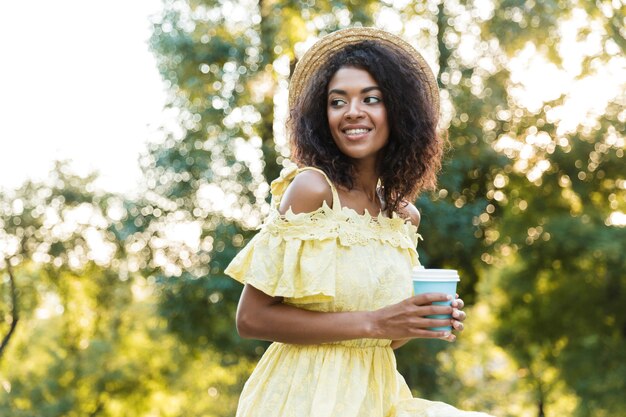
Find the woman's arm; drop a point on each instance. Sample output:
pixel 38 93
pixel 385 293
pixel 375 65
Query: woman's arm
pixel 260 316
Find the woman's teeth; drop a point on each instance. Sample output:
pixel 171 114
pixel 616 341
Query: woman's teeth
pixel 356 131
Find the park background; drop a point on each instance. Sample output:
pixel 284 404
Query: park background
pixel 115 303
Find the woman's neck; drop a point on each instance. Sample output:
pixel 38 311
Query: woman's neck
pixel 366 180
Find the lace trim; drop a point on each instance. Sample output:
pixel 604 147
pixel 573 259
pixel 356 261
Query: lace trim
pixel 347 225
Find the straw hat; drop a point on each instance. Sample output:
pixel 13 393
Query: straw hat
pixel 323 49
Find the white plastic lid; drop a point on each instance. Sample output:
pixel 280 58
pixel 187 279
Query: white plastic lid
pixel 422 274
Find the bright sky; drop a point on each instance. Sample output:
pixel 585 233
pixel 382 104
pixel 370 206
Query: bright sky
pixel 77 82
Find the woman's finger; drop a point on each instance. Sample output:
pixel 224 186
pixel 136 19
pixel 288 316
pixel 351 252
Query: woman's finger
pixel 430 323
pixel 458 303
pixel 433 334
pixel 449 338
pixel 459 315
pixel 434 309
pixel 429 298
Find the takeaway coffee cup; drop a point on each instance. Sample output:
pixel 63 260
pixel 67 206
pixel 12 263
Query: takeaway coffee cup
pixel 436 280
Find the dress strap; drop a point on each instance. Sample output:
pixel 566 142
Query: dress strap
pixel 336 206
pixel 280 184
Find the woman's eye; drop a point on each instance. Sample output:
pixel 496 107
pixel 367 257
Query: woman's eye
pixel 337 102
pixel 372 100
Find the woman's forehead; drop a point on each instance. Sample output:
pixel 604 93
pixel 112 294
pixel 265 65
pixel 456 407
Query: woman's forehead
pixel 351 77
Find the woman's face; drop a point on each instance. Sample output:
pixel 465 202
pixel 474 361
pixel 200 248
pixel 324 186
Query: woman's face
pixel 357 116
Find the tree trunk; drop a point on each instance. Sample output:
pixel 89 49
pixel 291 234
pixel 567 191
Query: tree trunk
pixel 14 310
pixel 268 29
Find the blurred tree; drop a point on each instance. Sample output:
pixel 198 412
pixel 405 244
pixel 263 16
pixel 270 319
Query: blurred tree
pixel 530 209
pixel 558 244
pixel 90 340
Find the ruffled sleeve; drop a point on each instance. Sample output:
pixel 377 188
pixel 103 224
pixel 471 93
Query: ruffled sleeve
pixel 290 257
pixel 299 269
pixel 280 184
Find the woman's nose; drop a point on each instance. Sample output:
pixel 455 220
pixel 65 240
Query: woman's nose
pixel 354 110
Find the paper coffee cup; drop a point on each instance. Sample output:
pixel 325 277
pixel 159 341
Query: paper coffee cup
pixel 436 280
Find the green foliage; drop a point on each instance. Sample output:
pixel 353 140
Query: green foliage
pixel 118 362
pixel 124 306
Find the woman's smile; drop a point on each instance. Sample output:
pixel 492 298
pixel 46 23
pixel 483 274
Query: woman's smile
pixel 356 133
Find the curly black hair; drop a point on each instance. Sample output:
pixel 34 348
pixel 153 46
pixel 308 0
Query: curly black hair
pixel 411 158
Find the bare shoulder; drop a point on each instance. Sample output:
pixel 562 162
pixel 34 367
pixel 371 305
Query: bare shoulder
pixel 410 212
pixel 306 193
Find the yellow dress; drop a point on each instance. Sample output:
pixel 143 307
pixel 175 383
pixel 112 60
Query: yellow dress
pixel 333 259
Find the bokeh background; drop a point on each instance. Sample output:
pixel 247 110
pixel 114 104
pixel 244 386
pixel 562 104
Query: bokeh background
pixel 115 303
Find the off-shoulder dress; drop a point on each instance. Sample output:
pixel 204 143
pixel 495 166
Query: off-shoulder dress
pixel 332 259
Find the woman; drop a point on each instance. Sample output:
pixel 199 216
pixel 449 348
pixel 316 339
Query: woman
pixel 328 276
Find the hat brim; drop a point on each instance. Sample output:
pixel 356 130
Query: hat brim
pixel 316 56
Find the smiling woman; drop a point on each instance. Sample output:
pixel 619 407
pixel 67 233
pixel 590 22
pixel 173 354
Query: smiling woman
pixel 328 277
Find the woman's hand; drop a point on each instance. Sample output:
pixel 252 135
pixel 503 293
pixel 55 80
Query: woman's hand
pixel 407 319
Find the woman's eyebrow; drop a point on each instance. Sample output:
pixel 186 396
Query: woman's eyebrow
pixel 363 91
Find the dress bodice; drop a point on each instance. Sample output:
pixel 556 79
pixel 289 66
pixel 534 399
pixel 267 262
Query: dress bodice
pixel 332 259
